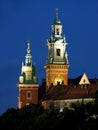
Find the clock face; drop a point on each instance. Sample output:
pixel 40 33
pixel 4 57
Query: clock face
pixel 58 52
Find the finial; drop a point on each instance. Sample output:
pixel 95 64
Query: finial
pixel 28 49
pixel 56 12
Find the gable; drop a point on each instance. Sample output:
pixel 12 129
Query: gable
pixel 84 80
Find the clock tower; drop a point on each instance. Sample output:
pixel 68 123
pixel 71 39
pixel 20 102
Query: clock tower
pixel 28 82
pixel 57 58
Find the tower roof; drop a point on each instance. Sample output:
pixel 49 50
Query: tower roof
pixel 28 74
pixel 56 20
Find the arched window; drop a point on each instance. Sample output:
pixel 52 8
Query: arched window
pixel 57 31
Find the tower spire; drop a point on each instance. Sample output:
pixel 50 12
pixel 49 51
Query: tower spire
pixel 28 81
pixel 28 59
pixel 57 57
pixel 28 49
pixel 56 12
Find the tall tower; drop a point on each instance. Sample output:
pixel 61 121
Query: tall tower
pixel 28 82
pixel 57 59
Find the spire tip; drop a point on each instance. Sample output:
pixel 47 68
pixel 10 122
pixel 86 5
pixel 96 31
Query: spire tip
pixel 28 49
pixel 57 12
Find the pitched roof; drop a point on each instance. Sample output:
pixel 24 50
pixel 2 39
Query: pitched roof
pixel 75 89
pixel 62 92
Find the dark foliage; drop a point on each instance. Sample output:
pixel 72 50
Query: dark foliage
pixel 34 117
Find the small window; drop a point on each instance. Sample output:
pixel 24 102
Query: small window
pixel 58 52
pixel 29 95
pixel 83 85
pixel 57 31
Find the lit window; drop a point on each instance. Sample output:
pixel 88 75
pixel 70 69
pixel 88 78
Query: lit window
pixel 84 86
pixel 27 104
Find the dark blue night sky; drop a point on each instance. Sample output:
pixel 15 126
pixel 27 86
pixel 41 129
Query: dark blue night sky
pixel 21 20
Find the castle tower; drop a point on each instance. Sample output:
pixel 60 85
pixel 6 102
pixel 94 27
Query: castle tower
pixel 57 59
pixel 28 82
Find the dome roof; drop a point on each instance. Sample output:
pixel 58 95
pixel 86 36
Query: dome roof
pixel 57 21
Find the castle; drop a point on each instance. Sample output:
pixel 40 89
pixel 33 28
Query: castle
pixel 56 90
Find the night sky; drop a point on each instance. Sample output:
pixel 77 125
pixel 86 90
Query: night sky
pixel 23 20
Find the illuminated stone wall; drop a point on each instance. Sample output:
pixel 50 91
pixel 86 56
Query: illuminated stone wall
pixel 27 94
pixel 55 74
